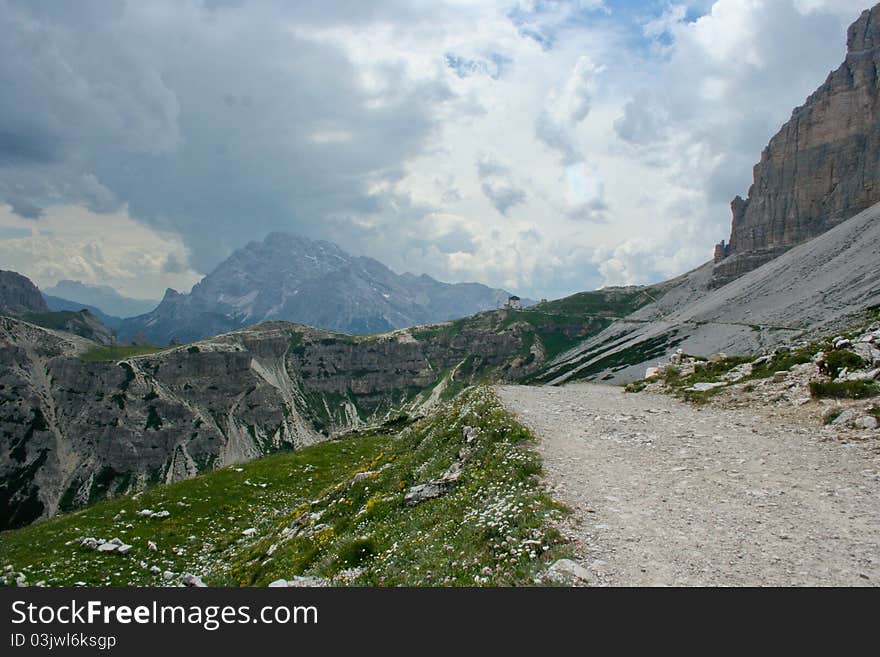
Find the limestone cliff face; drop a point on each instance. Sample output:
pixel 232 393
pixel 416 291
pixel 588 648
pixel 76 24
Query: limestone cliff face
pixel 18 294
pixel 821 168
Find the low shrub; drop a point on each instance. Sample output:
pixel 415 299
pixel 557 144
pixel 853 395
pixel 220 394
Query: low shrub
pixel 635 386
pixel 354 552
pixel 844 389
pixel 837 359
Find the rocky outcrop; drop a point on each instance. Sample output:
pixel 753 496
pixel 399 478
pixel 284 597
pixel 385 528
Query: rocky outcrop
pixel 821 168
pixel 19 297
pixel 292 278
pixel 18 294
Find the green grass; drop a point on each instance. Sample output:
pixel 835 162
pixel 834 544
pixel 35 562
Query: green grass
pixel 118 352
pixel 844 389
pixel 559 325
pixel 610 303
pixel 494 528
pixel 52 320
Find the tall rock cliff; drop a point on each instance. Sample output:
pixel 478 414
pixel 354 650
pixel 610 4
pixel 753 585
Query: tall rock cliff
pixel 821 168
pixel 18 294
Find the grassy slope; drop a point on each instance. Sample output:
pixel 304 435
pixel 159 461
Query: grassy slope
pixel 494 528
pixel 118 352
pixel 559 324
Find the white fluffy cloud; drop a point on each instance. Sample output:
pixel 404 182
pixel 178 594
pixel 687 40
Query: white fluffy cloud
pixel 547 146
pixel 71 242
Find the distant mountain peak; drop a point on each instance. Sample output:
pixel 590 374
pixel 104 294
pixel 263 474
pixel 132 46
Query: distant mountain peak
pixel 314 282
pixel 103 297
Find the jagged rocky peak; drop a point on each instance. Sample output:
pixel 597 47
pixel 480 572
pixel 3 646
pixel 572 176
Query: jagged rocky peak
pixel 294 278
pixel 821 168
pixel 19 294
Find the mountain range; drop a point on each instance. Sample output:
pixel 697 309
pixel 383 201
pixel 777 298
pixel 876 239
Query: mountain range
pixel 82 423
pixel 103 297
pixel 292 278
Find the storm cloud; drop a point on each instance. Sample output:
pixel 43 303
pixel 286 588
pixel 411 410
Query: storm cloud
pixel 618 131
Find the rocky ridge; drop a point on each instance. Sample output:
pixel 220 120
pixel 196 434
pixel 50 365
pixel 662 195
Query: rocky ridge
pixel 78 430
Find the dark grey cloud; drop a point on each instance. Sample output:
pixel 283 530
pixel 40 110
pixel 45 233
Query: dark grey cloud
pixel 498 184
pixel 593 211
pixel 503 196
pixel 214 120
pixel 642 122
pixel 558 137
pixel 173 265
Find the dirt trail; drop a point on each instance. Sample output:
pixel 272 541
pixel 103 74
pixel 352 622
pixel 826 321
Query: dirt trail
pixel 667 494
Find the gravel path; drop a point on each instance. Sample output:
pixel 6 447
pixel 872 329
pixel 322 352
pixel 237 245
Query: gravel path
pixel 667 494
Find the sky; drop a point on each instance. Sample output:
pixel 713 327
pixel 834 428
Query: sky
pixel 543 146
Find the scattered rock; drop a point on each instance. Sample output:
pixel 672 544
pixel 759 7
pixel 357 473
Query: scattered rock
pixel 470 434
pixel 704 386
pixel 453 474
pixel 866 422
pixel 422 492
pixel 868 353
pixel 847 417
pixel 301 582
pixel 830 414
pixel 738 373
pixel 194 581
pixel 567 573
